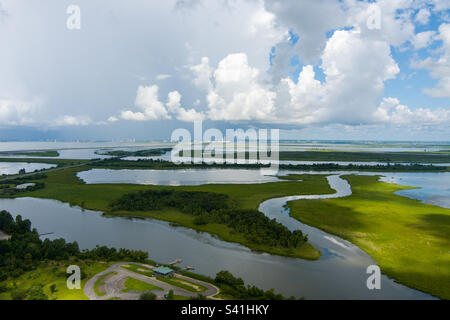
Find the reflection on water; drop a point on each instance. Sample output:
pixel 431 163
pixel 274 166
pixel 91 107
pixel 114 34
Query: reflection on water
pixel 189 177
pixel 339 274
pixel 434 187
pixel 284 145
pixel 14 167
pixel 76 150
pixel 167 157
pixel 61 145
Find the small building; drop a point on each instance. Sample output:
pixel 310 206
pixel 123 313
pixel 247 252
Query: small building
pixel 163 271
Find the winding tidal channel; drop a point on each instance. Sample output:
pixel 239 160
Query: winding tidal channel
pixel 340 273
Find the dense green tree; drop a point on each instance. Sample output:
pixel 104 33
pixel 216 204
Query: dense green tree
pixel 24 250
pixel 226 277
pixel 18 294
pixel 161 164
pixel 147 296
pixel 208 207
pixel 36 292
pixel 233 286
pixel 53 288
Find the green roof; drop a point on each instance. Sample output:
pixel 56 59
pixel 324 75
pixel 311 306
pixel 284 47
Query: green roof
pixel 162 270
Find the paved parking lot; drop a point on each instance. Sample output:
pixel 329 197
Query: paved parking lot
pixel 114 284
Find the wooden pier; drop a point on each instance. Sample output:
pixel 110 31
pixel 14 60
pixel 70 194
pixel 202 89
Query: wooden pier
pixel 175 262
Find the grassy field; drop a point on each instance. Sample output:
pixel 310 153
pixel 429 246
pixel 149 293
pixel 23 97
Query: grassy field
pixel 59 162
pixel 409 240
pixel 138 269
pixel 54 273
pixel 183 284
pixel 132 284
pixel 359 156
pixel 65 186
pixel 324 155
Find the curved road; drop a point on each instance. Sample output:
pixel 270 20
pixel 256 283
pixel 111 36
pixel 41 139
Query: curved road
pixel 113 284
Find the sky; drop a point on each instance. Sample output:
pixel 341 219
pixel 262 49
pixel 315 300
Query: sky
pixel 315 69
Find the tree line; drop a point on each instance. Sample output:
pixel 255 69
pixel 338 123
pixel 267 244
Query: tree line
pixel 25 250
pixel 208 207
pixel 139 153
pixel 8 187
pixel 235 287
pixel 162 164
pixel 21 180
pixel 7 191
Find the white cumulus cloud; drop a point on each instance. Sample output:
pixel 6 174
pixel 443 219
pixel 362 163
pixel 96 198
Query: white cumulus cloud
pixel 355 70
pixel 238 93
pixel 148 102
pixel 18 112
pixel 439 66
pixel 68 120
pixel 163 76
pixel 423 39
pixel 392 111
pixel 174 107
pixel 152 108
pixel 423 16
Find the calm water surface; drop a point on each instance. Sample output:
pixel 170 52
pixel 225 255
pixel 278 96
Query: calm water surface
pixel 188 177
pixel 167 157
pixel 339 274
pixel 14 167
pixel 87 150
pixel 433 187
